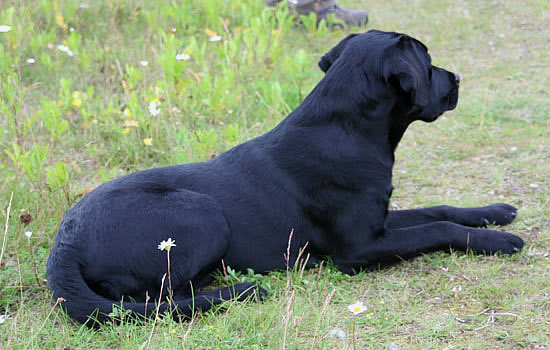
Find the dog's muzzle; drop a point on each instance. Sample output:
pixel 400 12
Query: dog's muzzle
pixel 457 79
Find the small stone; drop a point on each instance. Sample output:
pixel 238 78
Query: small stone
pixel 340 334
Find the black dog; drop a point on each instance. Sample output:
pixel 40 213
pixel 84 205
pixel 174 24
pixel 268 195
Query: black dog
pixel 324 172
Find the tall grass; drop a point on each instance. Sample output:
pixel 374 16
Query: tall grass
pixel 90 91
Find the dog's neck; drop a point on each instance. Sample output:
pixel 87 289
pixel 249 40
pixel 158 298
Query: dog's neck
pixel 336 135
pixel 334 143
pixel 382 122
pixel 397 127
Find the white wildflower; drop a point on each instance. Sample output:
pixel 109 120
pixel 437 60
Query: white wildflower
pixel 28 234
pixel 31 60
pixel 144 63
pixel 182 57
pixel 4 28
pixel 357 308
pixel 154 107
pixel 65 49
pixel 166 245
pixel 215 38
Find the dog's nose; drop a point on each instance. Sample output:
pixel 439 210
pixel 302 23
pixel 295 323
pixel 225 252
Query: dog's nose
pixel 457 78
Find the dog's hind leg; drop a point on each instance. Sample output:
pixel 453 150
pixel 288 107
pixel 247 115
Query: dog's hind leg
pixel 498 214
pixel 204 300
pixel 187 307
pixel 106 251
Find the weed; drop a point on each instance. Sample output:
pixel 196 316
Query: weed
pixel 75 112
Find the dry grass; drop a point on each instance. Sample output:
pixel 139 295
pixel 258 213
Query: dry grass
pixel 492 148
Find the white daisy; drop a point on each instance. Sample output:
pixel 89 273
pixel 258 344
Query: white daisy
pixel 4 28
pixel 215 38
pixel 357 308
pixel 144 63
pixel 31 60
pixel 166 245
pixel 28 234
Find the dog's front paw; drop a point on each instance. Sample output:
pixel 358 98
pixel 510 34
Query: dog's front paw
pixel 499 214
pixel 492 242
pixel 494 214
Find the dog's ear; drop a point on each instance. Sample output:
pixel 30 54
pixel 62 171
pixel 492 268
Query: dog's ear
pixel 402 75
pixel 328 59
pixel 404 71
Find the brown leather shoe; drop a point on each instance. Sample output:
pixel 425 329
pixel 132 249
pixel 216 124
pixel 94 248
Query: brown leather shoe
pixel 324 7
pixel 351 17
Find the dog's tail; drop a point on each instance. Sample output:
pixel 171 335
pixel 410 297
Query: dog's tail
pixel 86 306
pixel 70 289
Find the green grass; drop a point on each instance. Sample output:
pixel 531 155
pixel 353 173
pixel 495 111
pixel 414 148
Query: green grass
pixel 55 144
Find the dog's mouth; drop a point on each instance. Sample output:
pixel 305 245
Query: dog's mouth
pixel 452 100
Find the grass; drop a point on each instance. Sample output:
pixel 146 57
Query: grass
pixel 71 122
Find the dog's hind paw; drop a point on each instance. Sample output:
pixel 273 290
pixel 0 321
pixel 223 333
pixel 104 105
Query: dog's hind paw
pixel 244 291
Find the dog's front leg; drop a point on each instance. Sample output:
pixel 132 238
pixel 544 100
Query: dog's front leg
pixel 397 244
pixel 499 214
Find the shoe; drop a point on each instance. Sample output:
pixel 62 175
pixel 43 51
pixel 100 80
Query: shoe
pixel 351 17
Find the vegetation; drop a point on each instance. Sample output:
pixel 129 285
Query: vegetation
pixel 90 91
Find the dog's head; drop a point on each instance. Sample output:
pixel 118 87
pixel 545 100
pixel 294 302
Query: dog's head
pixel 397 65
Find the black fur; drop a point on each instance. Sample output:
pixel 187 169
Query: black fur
pixel 325 172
